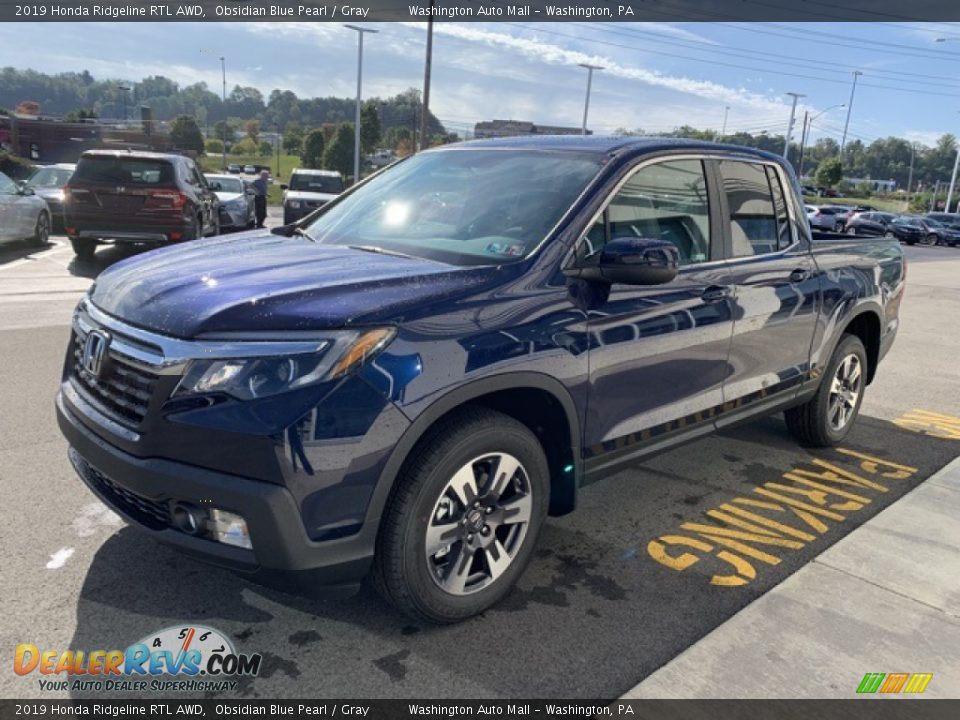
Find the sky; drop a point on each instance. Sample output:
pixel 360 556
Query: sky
pixel 656 76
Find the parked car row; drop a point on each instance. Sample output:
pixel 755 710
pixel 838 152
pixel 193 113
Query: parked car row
pixel 118 196
pixel 931 229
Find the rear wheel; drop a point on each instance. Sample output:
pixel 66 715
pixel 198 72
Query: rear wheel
pixel 827 417
pixel 41 233
pixel 930 239
pixel 464 517
pixel 83 247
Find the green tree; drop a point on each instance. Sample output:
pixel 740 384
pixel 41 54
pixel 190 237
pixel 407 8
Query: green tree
pixel 214 146
pixel 293 140
pixel 185 134
pixel 339 153
pixel 252 129
pixel 369 127
pixel 245 147
pixel 224 130
pixel 829 172
pixel 311 153
pixel 265 148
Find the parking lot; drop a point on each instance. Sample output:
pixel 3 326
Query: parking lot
pixel 604 604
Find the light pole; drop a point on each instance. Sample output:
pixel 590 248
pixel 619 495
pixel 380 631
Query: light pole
pixel 586 101
pixel 428 62
pixel 356 129
pixel 123 100
pixel 846 124
pixel 279 140
pixel 793 112
pixel 953 181
pixel 223 73
pixel 726 114
pixel 807 124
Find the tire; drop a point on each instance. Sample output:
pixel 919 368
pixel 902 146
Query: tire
pixel 41 233
pixel 890 236
pixel 851 231
pixel 931 239
pixel 83 248
pixel 194 230
pixel 813 423
pixel 428 586
pixel 216 227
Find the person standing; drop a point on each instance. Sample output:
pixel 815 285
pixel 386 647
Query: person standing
pixel 260 187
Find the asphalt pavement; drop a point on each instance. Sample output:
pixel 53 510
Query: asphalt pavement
pixel 612 593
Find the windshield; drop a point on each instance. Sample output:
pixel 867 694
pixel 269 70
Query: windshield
pixel 932 223
pixel 465 207
pixel 316 183
pixel 50 178
pixel 230 185
pixel 913 222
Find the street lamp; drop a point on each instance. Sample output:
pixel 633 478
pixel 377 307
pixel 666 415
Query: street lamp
pixel 586 102
pixel 123 100
pixel 807 124
pixel 356 128
pixel 278 141
pixel 726 114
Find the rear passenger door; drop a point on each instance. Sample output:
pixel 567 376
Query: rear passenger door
pixel 658 353
pixel 776 285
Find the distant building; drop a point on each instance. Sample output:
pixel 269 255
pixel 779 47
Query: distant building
pixel 509 128
pixel 878 185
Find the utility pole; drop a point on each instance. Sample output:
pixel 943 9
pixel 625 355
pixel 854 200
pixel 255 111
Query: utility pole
pixel 846 124
pixel 933 200
pixel 356 129
pixel 726 114
pixel 793 112
pixel 223 72
pixel 953 181
pixel 913 150
pixel 586 102
pixel 803 143
pixel 425 112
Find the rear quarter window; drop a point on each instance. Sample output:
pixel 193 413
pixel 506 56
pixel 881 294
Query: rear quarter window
pixel 124 171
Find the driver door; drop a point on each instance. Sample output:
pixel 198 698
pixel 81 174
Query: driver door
pixel 10 209
pixel 658 354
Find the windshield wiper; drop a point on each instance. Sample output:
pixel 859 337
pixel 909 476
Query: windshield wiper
pixel 382 251
pixel 304 233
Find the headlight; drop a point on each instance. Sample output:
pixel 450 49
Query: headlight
pixel 236 204
pixel 295 204
pixel 257 377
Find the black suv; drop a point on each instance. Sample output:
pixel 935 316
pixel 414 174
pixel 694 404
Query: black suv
pixel 138 197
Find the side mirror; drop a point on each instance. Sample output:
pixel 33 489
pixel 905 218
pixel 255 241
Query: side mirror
pixel 284 186
pixel 24 190
pixel 633 261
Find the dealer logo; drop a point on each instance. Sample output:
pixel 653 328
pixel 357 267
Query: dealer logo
pixel 185 652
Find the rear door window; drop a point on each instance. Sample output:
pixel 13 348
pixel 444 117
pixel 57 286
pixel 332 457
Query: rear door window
pixel 124 171
pixel 758 219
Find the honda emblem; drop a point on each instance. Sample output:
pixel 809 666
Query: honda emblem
pixel 95 352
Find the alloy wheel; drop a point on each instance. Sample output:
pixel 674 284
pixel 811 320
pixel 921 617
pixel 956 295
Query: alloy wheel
pixel 845 391
pixel 478 523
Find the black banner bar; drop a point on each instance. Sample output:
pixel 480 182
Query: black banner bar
pixel 479 10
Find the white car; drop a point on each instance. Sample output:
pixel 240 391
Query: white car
pixel 308 190
pixel 23 215
pixel 821 218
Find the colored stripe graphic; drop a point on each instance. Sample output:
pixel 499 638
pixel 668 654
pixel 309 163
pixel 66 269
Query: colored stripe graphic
pixel 870 682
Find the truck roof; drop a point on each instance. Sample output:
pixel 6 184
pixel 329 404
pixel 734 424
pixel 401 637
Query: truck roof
pixel 142 154
pixel 311 171
pixel 609 145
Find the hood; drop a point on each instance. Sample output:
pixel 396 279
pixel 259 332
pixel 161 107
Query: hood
pixel 254 282
pixel 303 195
pixel 225 197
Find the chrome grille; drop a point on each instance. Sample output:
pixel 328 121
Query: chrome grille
pixel 122 391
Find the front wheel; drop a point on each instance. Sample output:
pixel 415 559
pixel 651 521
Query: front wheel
pixel 930 239
pixel 827 417
pixel 464 517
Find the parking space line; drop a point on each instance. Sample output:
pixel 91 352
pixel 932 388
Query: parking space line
pixel 930 423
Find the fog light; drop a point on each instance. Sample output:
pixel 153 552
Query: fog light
pixel 229 528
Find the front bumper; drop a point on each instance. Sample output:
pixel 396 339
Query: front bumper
pixel 143 490
pixel 231 219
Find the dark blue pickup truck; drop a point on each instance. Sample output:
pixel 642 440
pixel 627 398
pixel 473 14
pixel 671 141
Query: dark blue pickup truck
pixel 405 383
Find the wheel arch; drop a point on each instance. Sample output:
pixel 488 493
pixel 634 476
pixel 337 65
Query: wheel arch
pixel 539 401
pixel 866 326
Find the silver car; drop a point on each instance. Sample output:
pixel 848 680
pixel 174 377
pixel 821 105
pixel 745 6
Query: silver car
pixel 236 201
pixel 23 215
